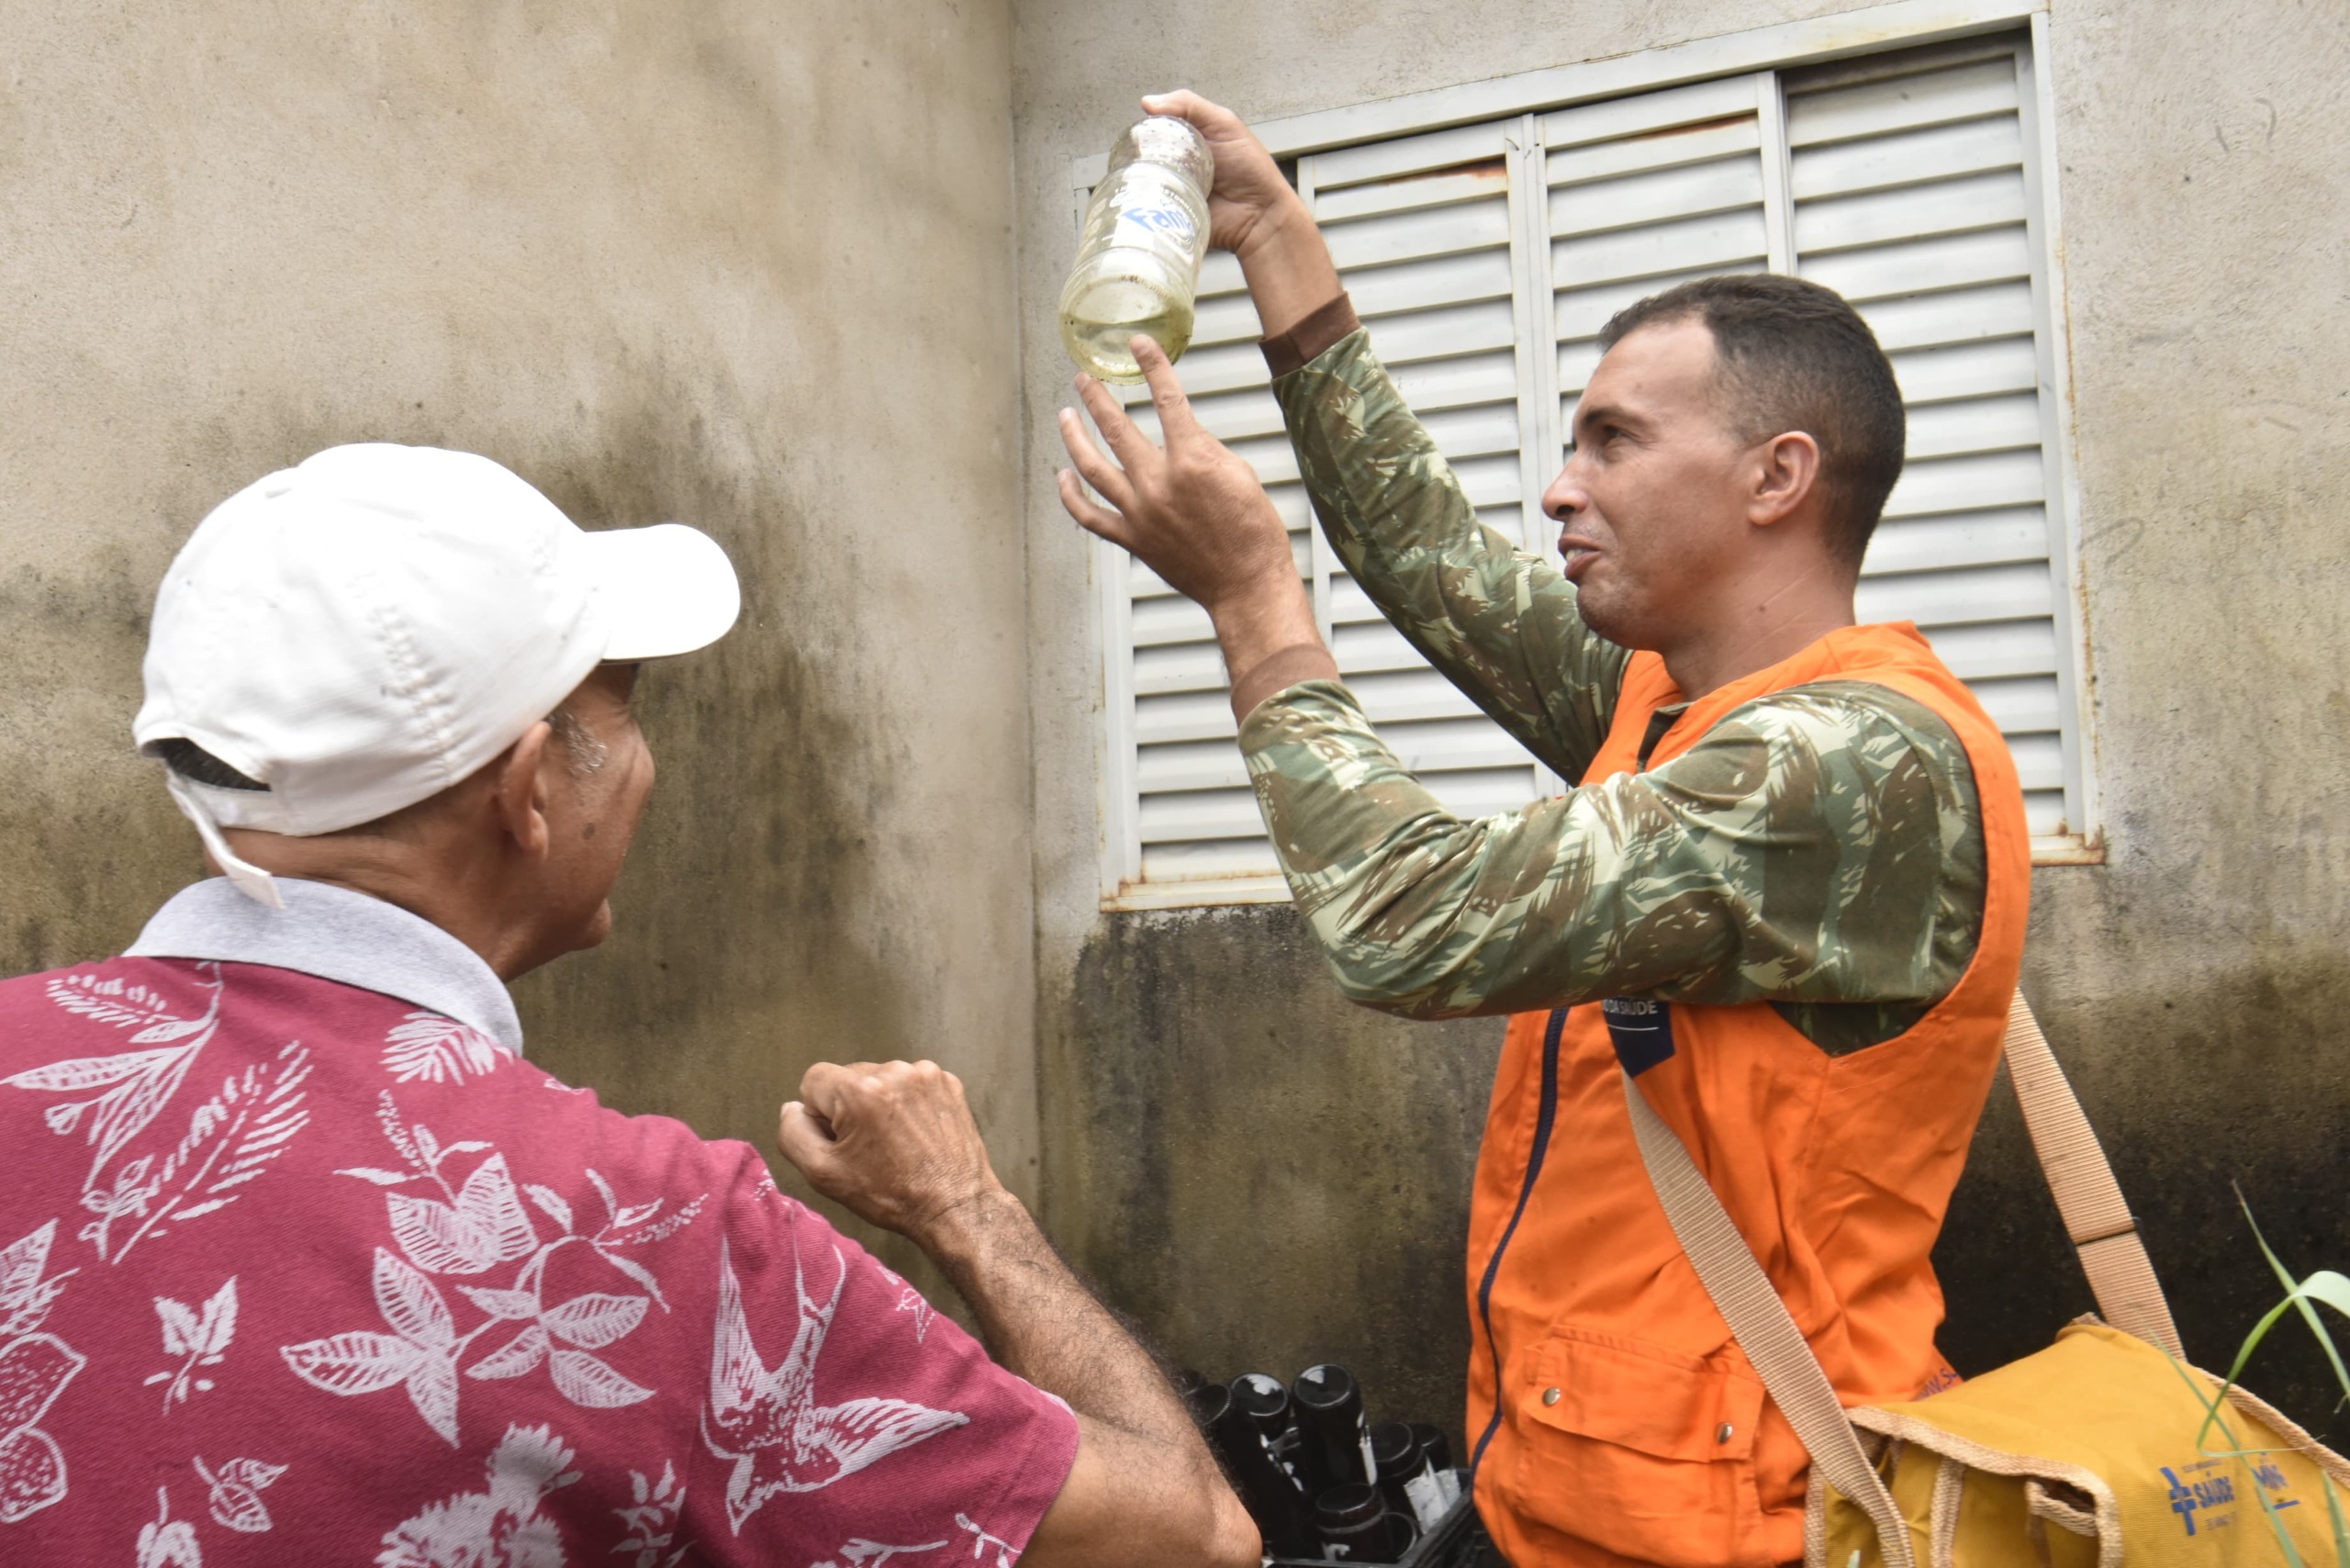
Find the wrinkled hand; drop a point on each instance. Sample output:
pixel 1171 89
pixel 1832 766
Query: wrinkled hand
pixel 1194 513
pixel 1251 198
pixel 894 1141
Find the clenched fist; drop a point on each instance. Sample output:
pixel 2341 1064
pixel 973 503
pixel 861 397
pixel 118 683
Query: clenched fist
pixel 894 1141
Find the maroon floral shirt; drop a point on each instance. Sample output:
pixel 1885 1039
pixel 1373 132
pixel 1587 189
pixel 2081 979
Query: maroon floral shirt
pixel 293 1270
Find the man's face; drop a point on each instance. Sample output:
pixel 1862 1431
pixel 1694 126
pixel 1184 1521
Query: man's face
pixel 1652 502
pixel 592 810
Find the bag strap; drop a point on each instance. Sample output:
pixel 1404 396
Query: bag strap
pixel 1748 1302
pixel 2120 1275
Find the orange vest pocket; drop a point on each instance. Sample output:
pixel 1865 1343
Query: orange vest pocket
pixel 1644 1452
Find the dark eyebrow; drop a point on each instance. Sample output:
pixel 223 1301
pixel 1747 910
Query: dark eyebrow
pixel 1588 414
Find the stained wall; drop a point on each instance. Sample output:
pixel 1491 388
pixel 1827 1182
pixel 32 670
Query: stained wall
pixel 1266 1176
pixel 745 265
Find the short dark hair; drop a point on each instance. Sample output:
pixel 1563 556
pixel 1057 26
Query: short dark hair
pixel 1795 356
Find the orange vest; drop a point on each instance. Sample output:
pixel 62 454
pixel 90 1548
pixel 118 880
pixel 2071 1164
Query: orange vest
pixel 1630 1427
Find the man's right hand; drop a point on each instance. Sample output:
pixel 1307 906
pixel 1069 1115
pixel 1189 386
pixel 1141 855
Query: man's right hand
pixel 1258 216
pixel 1250 200
pixel 892 1141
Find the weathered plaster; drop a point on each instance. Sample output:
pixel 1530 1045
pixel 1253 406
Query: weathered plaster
pixel 740 264
pixel 2195 982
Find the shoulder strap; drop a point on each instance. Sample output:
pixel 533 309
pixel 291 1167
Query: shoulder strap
pixel 2096 1217
pixel 2122 1277
pixel 1748 1302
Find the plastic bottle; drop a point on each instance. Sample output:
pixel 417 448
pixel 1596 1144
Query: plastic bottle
pixel 1328 1406
pixel 1354 1524
pixel 1284 1517
pixel 1139 257
pixel 1439 1452
pixel 1265 1399
pixel 1404 1472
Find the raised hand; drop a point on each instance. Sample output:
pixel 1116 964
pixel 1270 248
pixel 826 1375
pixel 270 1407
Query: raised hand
pixel 1250 188
pixel 1194 513
pixel 1256 214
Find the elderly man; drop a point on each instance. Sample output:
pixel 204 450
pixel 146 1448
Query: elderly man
pixel 302 1261
pixel 1787 898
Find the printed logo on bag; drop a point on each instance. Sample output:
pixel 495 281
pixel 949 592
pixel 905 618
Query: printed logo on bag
pixel 1641 1030
pixel 2269 1476
pixel 2202 1494
pixel 1940 1381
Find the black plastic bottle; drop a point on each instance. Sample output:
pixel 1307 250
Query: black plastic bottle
pixel 1439 1452
pixel 1336 1446
pixel 1352 1521
pixel 1282 1515
pixel 1266 1400
pixel 1208 1402
pixel 1405 1475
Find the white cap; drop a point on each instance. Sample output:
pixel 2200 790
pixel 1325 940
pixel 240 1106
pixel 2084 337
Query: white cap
pixel 365 630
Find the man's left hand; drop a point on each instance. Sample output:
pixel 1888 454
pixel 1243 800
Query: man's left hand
pixel 1194 513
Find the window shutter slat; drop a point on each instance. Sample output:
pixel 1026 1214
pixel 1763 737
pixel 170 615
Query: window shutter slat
pixel 1465 388
pixel 1484 260
pixel 1911 198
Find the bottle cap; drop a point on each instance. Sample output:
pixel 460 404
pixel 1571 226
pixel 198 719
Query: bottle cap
pixel 1209 1403
pixel 1402 1533
pixel 1171 141
pixel 1324 1387
pixel 1343 1508
pixel 1394 1450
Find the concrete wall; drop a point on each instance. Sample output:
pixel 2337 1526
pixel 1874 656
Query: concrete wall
pixel 1266 1176
pixel 744 265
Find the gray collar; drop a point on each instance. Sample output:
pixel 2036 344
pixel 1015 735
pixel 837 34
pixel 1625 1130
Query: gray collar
pixel 336 935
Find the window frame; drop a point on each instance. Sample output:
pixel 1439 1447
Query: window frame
pixel 1780 47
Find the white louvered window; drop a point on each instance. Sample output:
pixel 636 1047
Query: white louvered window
pixel 1485 258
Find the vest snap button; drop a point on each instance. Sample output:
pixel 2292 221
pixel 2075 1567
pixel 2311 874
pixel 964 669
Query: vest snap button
pixel 1550 1396
pixel 1724 1433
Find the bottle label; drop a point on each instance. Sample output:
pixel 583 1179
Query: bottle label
pixel 1149 227
pixel 1427 1497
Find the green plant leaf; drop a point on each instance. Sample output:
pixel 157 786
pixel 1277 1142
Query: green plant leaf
pixel 2309 1313
pixel 2236 1370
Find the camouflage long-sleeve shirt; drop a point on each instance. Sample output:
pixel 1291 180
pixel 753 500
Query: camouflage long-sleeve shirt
pixel 1821 848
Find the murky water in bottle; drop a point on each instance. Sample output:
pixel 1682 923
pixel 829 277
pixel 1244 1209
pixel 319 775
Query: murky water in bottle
pixel 1098 324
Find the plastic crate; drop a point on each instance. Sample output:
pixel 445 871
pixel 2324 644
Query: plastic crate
pixel 1456 1540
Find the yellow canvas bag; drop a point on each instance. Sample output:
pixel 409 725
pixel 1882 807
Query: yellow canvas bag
pixel 2100 1451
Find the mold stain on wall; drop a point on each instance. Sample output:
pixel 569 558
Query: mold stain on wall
pixel 1270 1177
pixel 1278 1179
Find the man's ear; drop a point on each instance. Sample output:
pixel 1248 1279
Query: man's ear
pixel 520 795
pixel 1786 472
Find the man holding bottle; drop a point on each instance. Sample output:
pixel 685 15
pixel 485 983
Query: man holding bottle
pixel 1787 896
